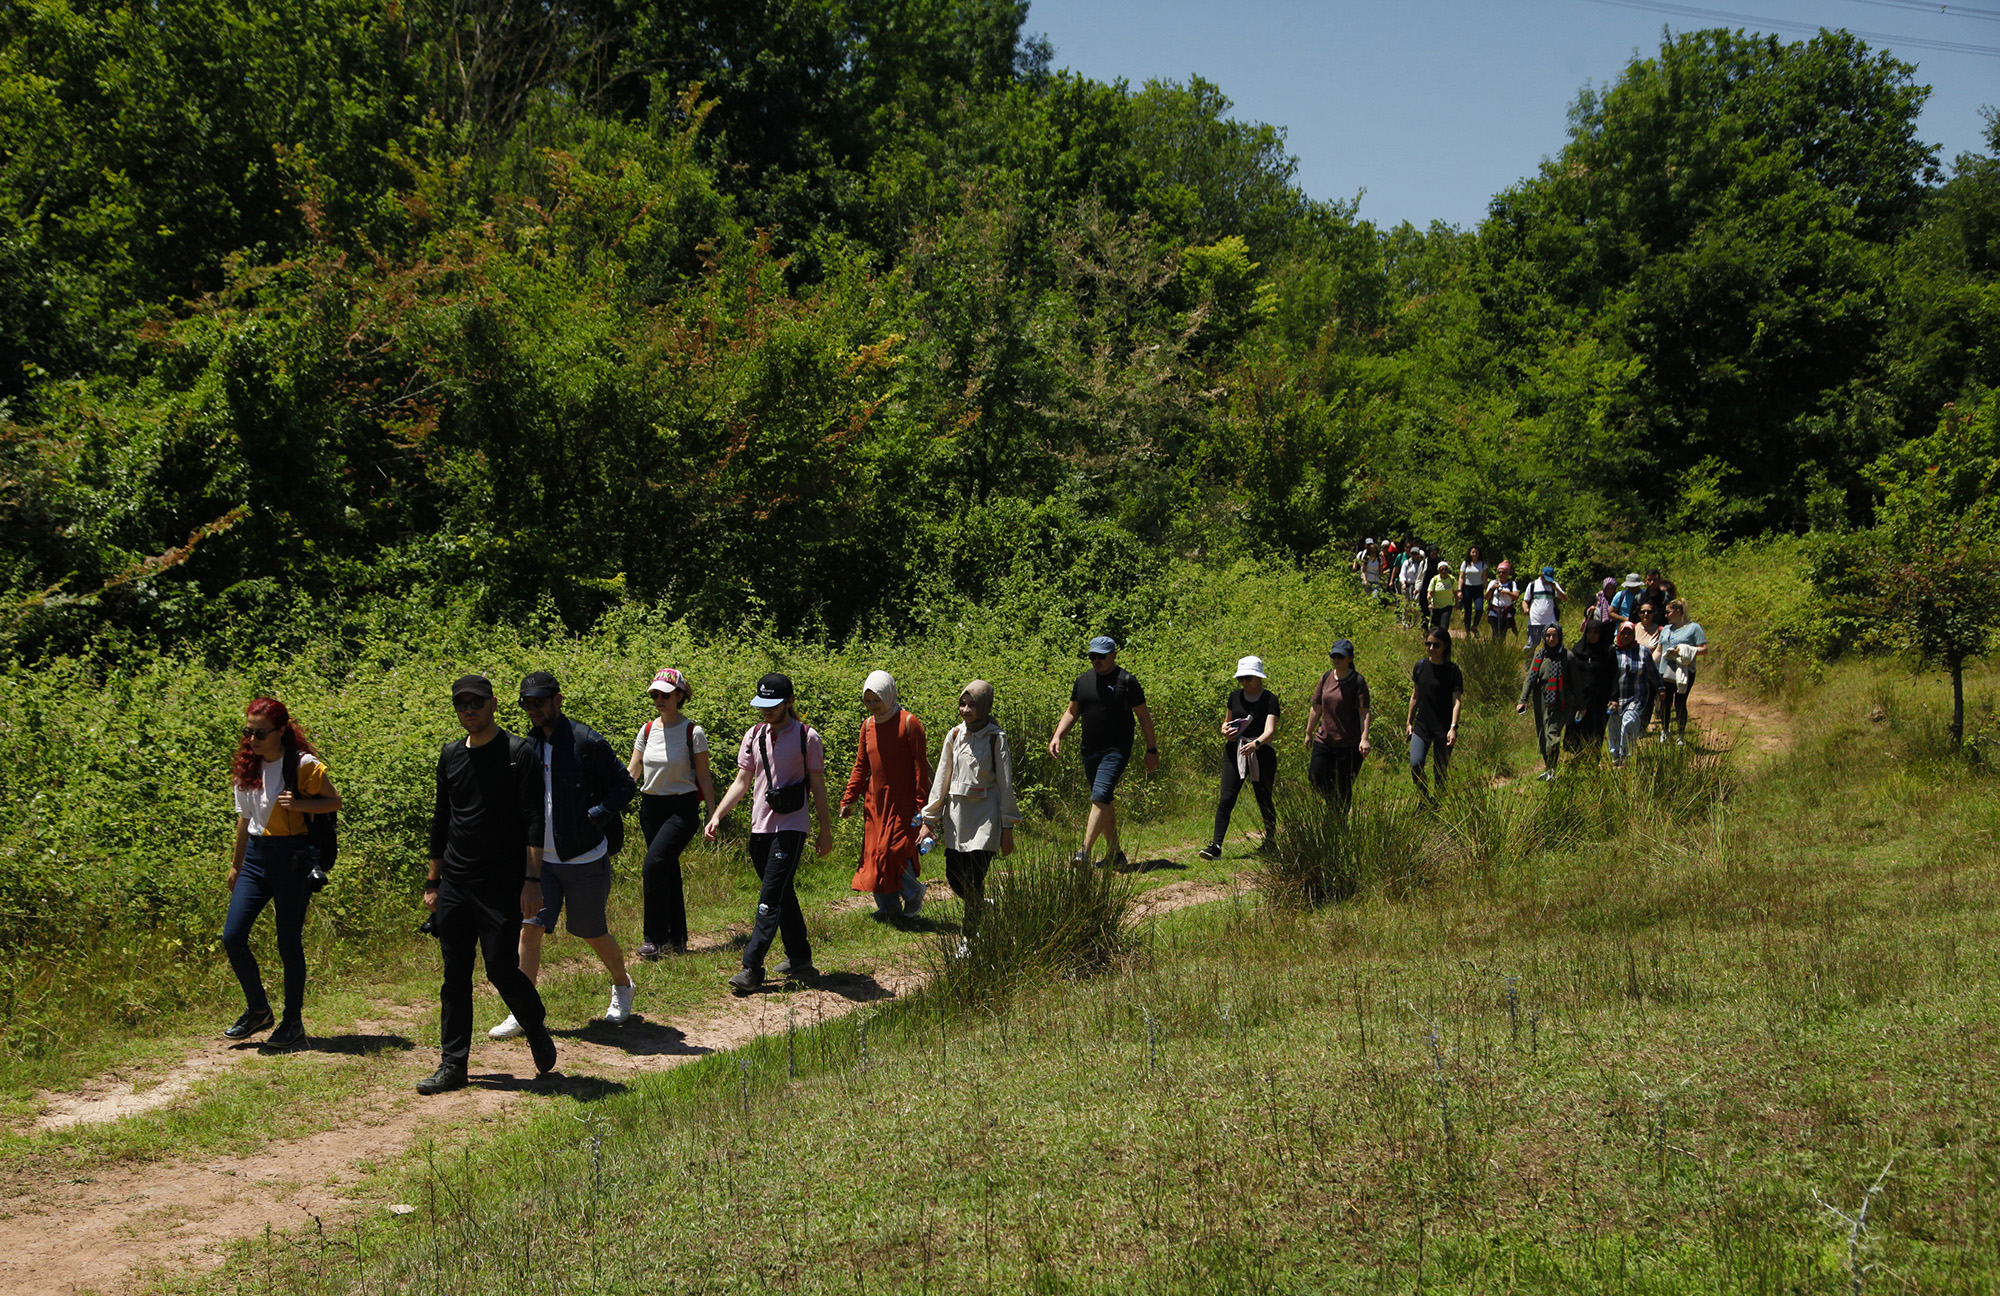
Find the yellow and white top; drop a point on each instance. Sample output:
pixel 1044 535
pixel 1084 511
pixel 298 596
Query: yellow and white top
pixel 259 805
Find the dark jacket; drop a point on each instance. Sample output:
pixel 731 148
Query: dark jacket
pixel 590 788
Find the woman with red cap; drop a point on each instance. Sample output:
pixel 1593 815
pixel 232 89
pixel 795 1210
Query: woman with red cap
pixel 670 764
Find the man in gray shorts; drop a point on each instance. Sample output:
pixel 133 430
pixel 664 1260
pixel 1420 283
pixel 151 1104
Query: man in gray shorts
pixel 585 789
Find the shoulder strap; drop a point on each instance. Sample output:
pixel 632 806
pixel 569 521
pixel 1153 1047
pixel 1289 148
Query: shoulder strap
pixel 289 768
pixel 646 734
pixel 687 736
pixel 764 748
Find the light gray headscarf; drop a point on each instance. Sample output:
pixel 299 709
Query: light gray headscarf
pixel 883 686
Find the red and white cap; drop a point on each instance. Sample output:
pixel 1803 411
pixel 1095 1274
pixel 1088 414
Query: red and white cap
pixel 668 680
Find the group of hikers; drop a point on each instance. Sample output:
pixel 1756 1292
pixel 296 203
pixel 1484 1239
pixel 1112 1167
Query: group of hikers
pixel 524 827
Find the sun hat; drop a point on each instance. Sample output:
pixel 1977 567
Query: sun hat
pixel 1342 648
pixel 1103 644
pixel 1250 666
pixel 668 680
pixel 773 690
pixel 1633 580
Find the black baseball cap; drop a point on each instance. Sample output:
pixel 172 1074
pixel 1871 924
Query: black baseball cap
pixel 476 685
pixel 541 684
pixel 773 690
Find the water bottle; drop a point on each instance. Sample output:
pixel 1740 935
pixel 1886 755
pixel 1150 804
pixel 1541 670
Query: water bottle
pixel 916 823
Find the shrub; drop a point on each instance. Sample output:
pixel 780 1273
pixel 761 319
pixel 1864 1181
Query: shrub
pixel 1049 920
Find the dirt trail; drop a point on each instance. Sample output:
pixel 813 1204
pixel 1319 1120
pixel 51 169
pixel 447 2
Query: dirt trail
pixel 1738 722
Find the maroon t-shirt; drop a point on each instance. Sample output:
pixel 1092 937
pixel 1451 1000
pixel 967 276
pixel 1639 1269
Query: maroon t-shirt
pixel 1340 703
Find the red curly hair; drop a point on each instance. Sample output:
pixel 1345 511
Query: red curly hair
pixel 248 768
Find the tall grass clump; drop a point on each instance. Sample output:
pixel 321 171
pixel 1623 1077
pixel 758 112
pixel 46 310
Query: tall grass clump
pixel 1324 856
pixel 1049 920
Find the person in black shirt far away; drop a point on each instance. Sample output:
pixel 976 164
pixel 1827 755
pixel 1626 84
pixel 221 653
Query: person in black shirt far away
pixel 485 877
pixel 1437 691
pixel 1106 699
pixel 1249 722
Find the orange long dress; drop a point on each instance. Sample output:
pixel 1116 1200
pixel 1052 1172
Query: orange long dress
pixel 893 772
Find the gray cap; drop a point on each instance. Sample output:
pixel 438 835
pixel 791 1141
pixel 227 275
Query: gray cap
pixel 1342 648
pixel 1103 644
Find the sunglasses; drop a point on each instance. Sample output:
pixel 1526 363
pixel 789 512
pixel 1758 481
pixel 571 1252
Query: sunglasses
pixel 469 703
pixel 255 734
pixel 534 704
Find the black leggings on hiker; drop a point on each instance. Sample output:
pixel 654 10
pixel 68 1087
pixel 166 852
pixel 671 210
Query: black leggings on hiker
pixel 1232 787
pixel 669 823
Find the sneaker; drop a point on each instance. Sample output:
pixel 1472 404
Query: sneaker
pixel 445 1078
pixel 1269 846
pixel 290 1034
pixel 1210 852
pixel 1081 859
pixel 964 948
pixel 746 980
pixel 1116 863
pixel 542 1047
pixel 505 1030
pixel 649 951
pixel 620 1010
pixel 1547 776
pixel 252 1021
pixel 910 907
pixel 784 968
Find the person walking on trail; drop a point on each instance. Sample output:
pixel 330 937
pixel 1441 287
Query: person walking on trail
pixel 1106 699
pixel 1600 608
pixel 1625 603
pixel 585 790
pixel 892 779
pixel 1410 584
pixel 1437 692
pixel 1646 630
pixel 1593 677
pixel 1337 727
pixel 1472 580
pixel 1544 597
pixel 485 878
pixel 1631 694
pixel 1681 645
pixel 1249 722
pixel 972 807
pixel 278 779
pixel 1502 597
pixel 670 762
pixel 1369 563
pixel 781 761
pixel 1443 592
pixel 1547 687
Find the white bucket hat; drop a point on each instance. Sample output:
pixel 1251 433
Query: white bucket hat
pixel 1250 666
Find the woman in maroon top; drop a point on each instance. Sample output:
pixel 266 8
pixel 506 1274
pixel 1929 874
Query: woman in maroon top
pixel 1337 727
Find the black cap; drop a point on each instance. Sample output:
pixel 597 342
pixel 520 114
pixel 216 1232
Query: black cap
pixel 541 684
pixel 773 690
pixel 477 685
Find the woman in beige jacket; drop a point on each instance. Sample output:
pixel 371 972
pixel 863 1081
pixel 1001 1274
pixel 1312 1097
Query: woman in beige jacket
pixel 972 808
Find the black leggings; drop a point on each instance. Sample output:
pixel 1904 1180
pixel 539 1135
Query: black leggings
pixel 1673 707
pixel 1232 787
pixel 669 823
pixel 1332 771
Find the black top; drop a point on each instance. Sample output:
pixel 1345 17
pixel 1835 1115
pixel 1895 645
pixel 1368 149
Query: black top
pixel 1104 703
pixel 589 788
pixel 1435 684
pixel 489 809
pixel 1241 707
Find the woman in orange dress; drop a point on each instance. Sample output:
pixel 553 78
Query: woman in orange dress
pixel 893 774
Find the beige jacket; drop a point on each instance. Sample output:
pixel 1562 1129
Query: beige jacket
pixel 972 792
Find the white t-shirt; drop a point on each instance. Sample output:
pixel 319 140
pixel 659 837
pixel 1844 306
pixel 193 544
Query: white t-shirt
pixel 1502 595
pixel 255 804
pixel 549 855
pixel 1543 610
pixel 1472 573
pixel 669 756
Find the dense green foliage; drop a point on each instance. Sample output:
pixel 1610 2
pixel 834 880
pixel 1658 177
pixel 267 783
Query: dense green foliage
pixel 845 315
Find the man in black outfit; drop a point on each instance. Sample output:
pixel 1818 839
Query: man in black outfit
pixel 485 876
pixel 1106 698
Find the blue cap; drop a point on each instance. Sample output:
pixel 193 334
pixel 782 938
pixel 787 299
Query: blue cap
pixel 1548 573
pixel 1103 644
pixel 1341 648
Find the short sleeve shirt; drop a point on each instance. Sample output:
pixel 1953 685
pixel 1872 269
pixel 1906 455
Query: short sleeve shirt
pixel 1340 703
pixel 1104 703
pixel 1435 686
pixel 788 766
pixel 258 805
pixel 1256 712
pixel 668 753
pixel 1542 606
pixel 1671 638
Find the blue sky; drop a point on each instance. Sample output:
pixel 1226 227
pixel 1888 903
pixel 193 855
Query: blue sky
pixel 1433 106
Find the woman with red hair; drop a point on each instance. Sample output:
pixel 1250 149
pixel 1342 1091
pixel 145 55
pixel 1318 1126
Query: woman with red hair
pixel 279 779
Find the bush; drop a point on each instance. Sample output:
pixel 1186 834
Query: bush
pixel 1050 921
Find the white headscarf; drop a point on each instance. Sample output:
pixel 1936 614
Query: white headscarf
pixel 882 686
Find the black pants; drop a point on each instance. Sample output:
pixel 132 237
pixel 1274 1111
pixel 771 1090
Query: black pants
pixel 966 872
pixel 775 856
pixel 481 919
pixel 1232 787
pixel 669 823
pixel 1332 771
pixel 1674 709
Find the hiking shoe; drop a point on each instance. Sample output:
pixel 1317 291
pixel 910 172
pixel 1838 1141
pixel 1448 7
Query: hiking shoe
pixel 447 1077
pixel 964 948
pixel 1081 859
pixel 505 1030
pixel 290 1034
pixel 746 980
pixel 542 1047
pixel 650 952
pixel 620 1010
pixel 252 1021
pixel 910 907
pixel 1547 776
pixel 1269 846
pixel 1210 853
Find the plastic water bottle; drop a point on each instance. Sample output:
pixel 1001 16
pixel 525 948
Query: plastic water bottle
pixel 916 823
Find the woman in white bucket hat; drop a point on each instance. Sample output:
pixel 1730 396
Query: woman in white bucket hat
pixel 1249 722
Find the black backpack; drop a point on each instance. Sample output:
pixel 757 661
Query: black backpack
pixel 322 830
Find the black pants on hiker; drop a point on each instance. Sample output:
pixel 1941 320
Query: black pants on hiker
pixel 775 856
pixel 1232 787
pixel 669 823
pixel 1332 771
pixel 966 872
pixel 481 919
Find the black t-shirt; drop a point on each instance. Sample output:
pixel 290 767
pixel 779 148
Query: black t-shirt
pixel 1435 685
pixel 489 809
pixel 1257 712
pixel 1104 703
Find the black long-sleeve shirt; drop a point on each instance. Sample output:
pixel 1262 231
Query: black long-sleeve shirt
pixel 489 809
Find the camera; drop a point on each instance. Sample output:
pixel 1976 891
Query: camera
pixel 428 927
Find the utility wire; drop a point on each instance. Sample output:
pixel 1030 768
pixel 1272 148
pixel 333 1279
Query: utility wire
pixel 1779 24
pixel 1941 10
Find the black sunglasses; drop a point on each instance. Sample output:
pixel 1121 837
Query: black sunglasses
pixel 257 735
pixel 534 704
pixel 469 703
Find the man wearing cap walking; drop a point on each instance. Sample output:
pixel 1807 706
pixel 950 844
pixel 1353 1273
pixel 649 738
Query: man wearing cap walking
pixel 1625 603
pixel 484 877
pixel 585 789
pixel 1337 727
pixel 1544 597
pixel 1106 699
pixel 1249 721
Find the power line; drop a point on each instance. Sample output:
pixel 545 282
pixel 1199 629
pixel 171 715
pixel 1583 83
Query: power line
pixel 1941 10
pixel 1779 24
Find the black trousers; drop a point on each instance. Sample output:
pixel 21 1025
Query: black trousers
pixel 1232 787
pixel 1332 771
pixel 966 872
pixel 483 920
pixel 775 856
pixel 669 823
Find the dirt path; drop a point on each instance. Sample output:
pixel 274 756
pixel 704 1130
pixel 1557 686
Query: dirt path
pixel 1739 722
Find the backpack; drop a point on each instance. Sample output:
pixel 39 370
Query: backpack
pixel 322 830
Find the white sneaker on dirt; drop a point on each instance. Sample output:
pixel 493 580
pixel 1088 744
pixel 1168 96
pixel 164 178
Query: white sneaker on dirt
pixel 621 1003
pixel 505 1030
pixel 964 948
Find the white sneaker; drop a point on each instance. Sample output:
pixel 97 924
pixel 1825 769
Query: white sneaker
pixel 621 1004
pixel 910 907
pixel 964 948
pixel 505 1030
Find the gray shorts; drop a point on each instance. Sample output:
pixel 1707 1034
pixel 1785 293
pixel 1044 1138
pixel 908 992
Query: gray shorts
pixel 587 888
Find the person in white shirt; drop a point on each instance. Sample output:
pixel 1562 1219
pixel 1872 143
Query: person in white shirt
pixel 972 808
pixel 1501 596
pixel 670 763
pixel 1544 597
pixel 1369 563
